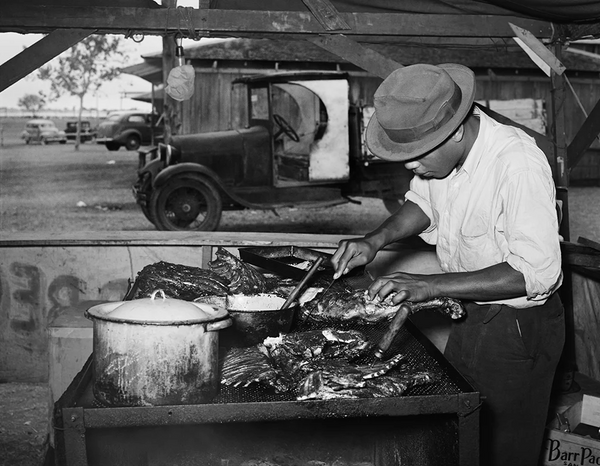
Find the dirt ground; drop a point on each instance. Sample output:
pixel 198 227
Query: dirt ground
pixel 23 423
pixel 56 189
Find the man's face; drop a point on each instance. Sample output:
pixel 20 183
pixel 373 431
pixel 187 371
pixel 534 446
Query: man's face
pixel 437 163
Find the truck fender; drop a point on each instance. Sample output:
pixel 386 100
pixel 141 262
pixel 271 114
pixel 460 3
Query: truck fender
pixel 180 168
pixel 164 175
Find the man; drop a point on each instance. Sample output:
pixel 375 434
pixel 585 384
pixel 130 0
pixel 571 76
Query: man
pixel 483 193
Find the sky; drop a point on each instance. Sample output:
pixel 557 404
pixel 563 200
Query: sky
pixel 111 96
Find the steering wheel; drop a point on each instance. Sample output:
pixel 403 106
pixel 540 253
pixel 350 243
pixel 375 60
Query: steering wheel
pixel 285 128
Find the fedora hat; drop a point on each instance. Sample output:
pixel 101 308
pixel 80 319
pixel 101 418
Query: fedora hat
pixel 417 108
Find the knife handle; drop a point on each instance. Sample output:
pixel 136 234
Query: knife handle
pixel 397 323
pixel 300 285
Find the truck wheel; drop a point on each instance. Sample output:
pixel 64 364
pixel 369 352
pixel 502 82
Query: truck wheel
pixel 186 202
pixel 112 146
pixel 132 143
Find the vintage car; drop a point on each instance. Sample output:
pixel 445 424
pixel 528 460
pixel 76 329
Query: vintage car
pixel 42 131
pixel 87 132
pixel 303 147
pixel 130 129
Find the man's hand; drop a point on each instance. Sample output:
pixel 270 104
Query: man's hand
pixel 351 254
pixel 407 287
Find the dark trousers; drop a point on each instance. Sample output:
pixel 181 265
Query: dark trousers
pixel 510 356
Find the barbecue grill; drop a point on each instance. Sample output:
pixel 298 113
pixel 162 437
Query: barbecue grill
pixel 433 424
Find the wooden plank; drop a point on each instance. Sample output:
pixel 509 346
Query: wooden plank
pixel 326 14
pixel 584 137
pixel 228 23
pixel 363 57
pixel 589 243
pixel 38 54
pixel 537 51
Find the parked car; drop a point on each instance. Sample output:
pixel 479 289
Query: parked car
pixel 303 147
pixel 87 132
pixel 130 129
pixel 42 131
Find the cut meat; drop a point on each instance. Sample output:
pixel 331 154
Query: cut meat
pixel 242 278
pixel 355 306
pixel 241 367
pixel 177 281
pixel 337 379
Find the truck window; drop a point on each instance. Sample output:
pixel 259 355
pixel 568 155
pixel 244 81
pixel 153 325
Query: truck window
pixel 259 101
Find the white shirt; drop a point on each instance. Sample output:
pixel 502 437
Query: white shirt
pixel 500 206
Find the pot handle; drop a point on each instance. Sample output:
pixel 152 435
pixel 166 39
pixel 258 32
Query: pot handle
pixel 219 324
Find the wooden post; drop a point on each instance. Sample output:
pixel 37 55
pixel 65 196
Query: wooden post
pixel 568 363
pixel 170 105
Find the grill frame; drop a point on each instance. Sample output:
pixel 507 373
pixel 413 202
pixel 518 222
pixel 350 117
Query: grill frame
pixel 77 413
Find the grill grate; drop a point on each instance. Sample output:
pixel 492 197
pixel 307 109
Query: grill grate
pixel 416 355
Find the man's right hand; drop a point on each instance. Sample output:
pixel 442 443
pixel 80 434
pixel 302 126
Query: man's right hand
pixel 351 254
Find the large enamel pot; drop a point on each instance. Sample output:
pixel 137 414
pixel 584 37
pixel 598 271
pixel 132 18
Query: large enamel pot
pixel 156 351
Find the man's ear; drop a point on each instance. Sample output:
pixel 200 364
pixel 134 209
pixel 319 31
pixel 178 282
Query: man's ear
pixel 458 134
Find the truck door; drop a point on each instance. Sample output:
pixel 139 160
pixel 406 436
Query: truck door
pixel 310 131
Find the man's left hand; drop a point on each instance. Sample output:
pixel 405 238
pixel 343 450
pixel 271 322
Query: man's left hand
pixel 403 286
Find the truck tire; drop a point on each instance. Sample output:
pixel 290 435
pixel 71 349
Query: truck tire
pixel 186 202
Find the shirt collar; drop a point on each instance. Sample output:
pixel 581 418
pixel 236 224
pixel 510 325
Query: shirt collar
pixel 474 156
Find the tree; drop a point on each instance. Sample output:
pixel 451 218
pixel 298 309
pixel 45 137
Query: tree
pixel 32 102
pixel 83 69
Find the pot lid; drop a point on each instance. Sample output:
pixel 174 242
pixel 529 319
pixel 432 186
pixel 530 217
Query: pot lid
pixel 160 308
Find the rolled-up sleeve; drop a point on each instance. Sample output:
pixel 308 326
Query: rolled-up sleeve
pixel 419 194
pixel 531 232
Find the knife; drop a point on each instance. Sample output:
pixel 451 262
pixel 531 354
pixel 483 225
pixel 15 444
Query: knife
pixel 303 282
pixel 397 323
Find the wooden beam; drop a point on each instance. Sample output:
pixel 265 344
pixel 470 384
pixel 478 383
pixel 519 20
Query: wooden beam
pixel 326 14
pixel 38 54
pixel 234 23
pixel 363 57
pixel 585 136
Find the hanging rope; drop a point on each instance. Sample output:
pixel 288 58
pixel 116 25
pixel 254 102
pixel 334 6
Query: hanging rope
pixel 186 16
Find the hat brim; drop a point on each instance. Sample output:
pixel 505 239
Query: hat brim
pixel 383 147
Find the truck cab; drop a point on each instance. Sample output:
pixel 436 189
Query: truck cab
pixel 302 146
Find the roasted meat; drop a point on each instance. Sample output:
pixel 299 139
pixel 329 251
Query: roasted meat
pixel 177 281
pixel 355 306
pixel 242 277
pixel 241 367
pixel 321 364
pixel 336 379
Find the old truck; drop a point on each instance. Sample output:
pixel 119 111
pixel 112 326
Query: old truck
pixel 303 146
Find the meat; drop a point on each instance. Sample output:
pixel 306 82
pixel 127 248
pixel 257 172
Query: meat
pixel 177 281
pixel 321 364
pixel 242 278
pixel 334 380
pixel 342 305
pixel 241 367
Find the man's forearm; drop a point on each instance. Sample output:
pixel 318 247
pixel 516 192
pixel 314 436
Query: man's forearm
pixel 408 221
pixel 499 281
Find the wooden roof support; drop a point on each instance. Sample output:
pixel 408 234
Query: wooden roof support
pixel 363 57
pixel 326 14
pixel 584 137
pixel 238 23
pixel 38 54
